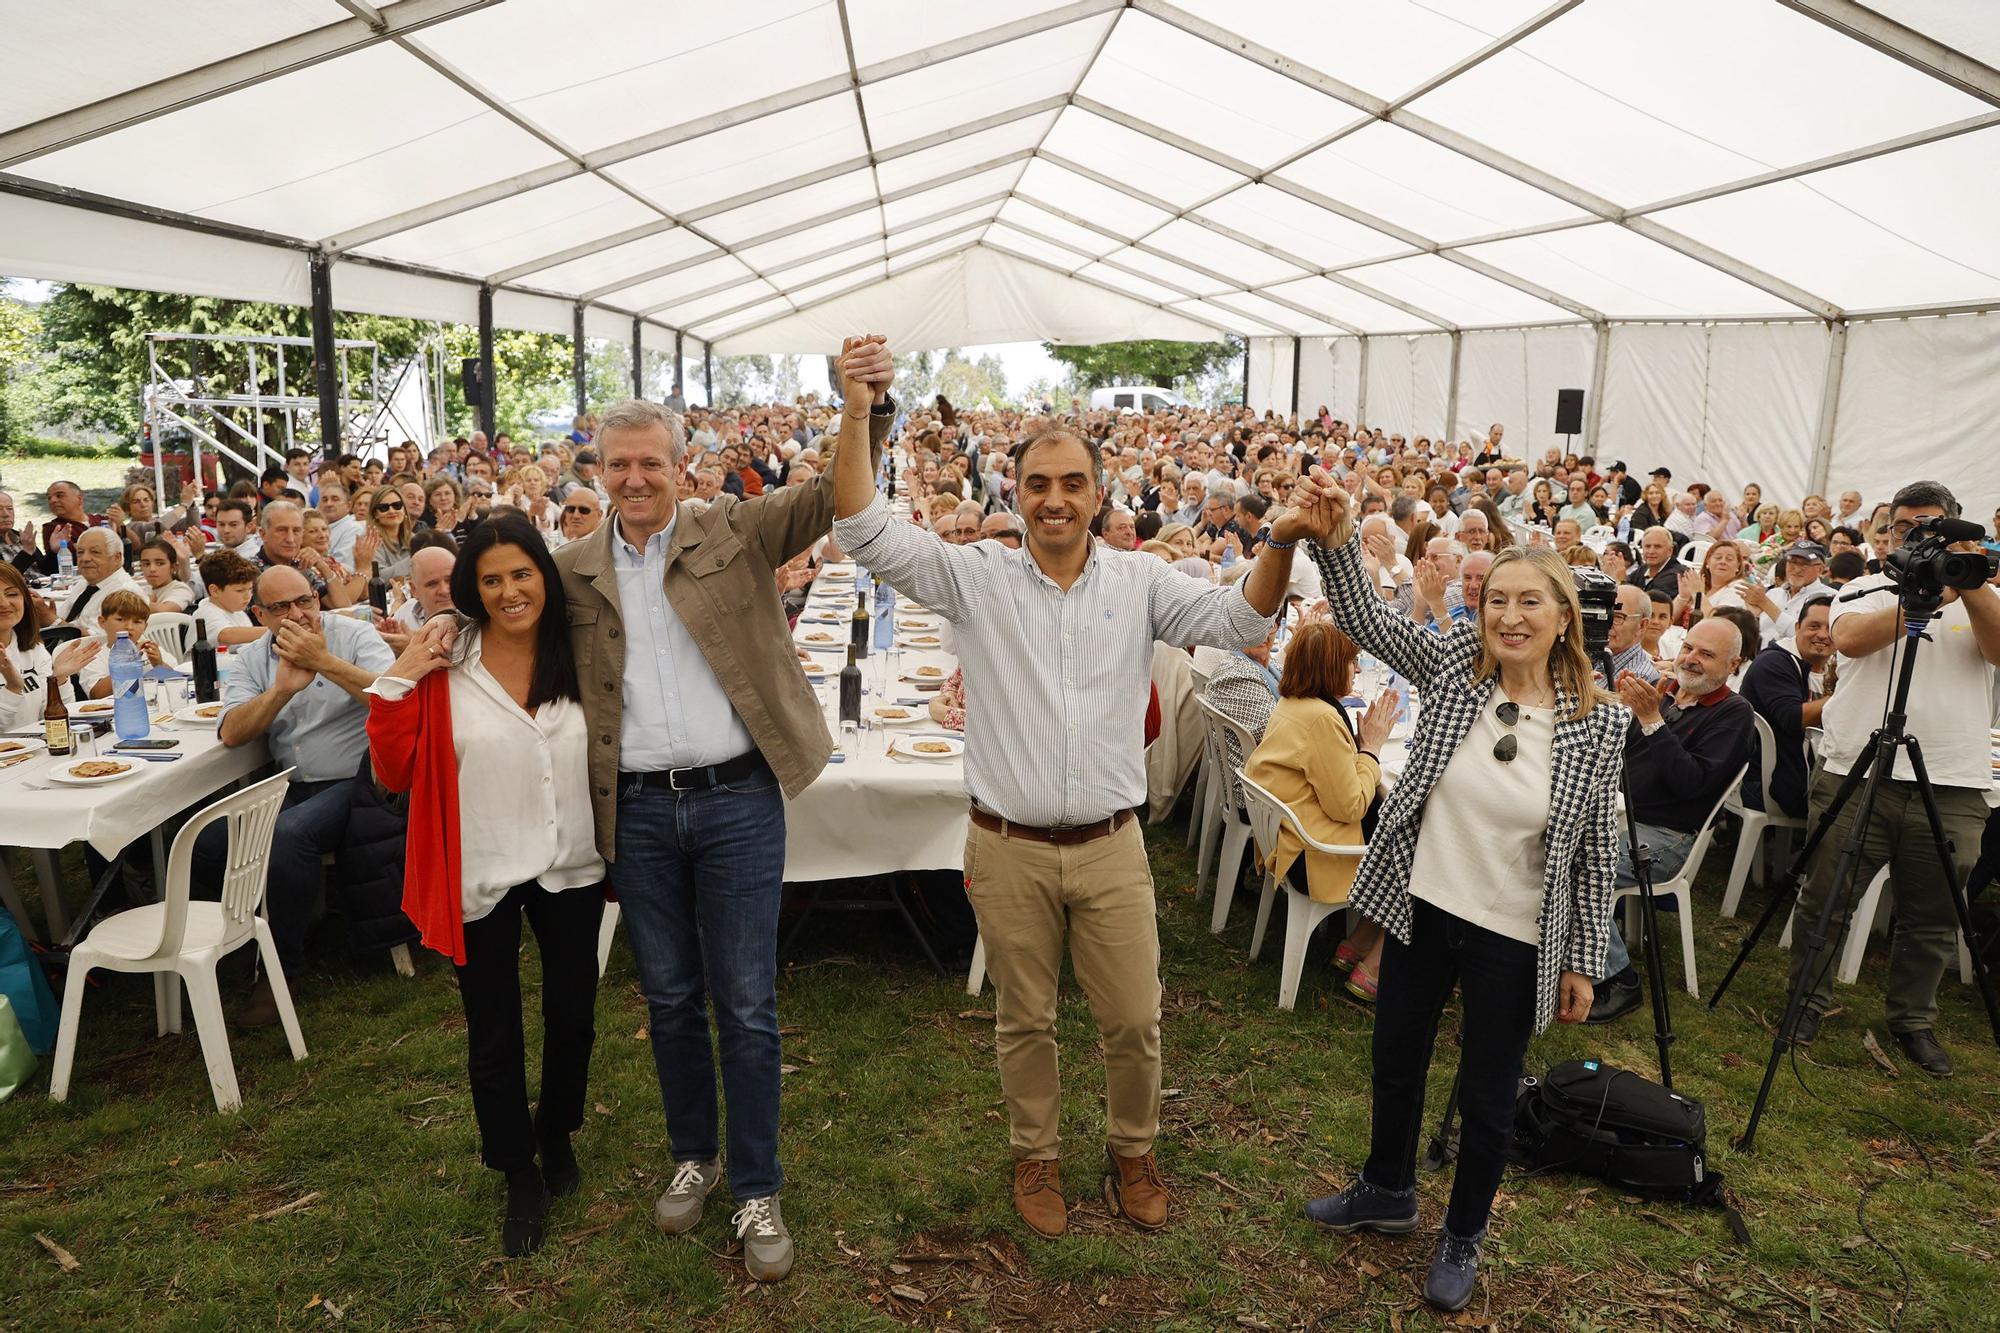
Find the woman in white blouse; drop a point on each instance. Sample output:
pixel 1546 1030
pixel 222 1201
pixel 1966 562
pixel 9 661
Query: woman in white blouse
pixel 480 720
pixel 25 666
pixel 1490 868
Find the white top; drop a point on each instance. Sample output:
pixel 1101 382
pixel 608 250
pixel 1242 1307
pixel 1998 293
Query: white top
pixel 175 594
pixel 214 619
pixel 523 788
pixel 1952 688
pixel 25 709
pixel 116 581
pixel 340 536
pixel 1479 851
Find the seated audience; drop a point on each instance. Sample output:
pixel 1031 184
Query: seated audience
pixel 1780 686
pixel 123 613
pixel 223 618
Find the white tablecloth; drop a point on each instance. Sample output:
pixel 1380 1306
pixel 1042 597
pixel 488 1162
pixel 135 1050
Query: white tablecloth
pixel 111 816
pixel 870 813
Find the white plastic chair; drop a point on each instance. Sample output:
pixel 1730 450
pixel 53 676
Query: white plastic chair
pixel 1868 919
pixel 605 930
pixel 975 976
pixel 1234 820
pixel 181 941
pixel 1268 815
pixel 1198 813
pixel 173 631
pixel 1749 863
pixel 1680 888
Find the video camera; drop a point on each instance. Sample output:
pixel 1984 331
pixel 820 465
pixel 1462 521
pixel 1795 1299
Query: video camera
pixel 1597 596
pixel 1925 565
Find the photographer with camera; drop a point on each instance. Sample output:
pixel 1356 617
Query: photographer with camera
pixel 1952 688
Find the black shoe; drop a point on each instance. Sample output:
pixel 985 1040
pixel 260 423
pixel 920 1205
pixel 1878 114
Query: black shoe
pixel 1454 1273
pixel 1806 1031
pixel 559 1168
pixel 527 1204
pixel 1362 1206
pixel 1614 999
pixel 1922 1047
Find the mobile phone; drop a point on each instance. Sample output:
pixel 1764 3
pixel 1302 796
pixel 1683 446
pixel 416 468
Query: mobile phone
pixel 155 743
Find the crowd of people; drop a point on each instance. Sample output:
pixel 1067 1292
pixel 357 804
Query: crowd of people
pixel 578 680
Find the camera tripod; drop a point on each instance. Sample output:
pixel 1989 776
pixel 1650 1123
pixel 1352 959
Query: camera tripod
pixel 1441 1148
pixel 1876 765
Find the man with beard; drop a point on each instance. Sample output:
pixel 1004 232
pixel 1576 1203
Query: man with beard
pixel 1676 771
pixel 1056 642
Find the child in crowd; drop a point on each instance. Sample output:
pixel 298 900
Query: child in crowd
pixel 123 613
pixel 224 618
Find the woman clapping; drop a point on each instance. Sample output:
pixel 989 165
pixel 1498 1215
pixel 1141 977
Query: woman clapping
pixel 481 721
pixel 1489 868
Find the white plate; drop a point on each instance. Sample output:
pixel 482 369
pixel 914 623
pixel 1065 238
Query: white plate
pixel 916 624
pixel 923 643
pixel 839 569
pixel 96 710
pixel 61 773
pixel 828 642
pixel 191 716
pixel 914 715
pixel 906 746
pixel 817 672
pixel 932 681
pixel 823 619
pixel 16 747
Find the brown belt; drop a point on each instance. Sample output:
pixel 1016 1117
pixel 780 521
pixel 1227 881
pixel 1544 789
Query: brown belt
pixel 1060 837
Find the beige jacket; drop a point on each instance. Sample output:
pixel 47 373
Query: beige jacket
pixel 721 583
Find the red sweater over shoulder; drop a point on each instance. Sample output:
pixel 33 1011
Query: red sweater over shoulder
pixel 410 747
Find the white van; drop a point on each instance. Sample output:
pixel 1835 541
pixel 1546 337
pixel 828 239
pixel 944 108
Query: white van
pixel 1134 397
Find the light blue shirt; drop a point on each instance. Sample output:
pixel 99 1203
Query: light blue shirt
pixel 322 731
pixel 677 715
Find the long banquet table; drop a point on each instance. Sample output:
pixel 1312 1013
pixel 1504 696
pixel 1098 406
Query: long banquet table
pixel 871 812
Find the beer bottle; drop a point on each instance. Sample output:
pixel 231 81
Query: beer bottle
pixel 55 719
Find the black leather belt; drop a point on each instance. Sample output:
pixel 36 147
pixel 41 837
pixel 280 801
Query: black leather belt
pixel 742 766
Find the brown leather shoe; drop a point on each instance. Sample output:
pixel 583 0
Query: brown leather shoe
pixel 1133 1188
pixel 1038 1196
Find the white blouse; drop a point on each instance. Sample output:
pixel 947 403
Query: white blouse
pixel 523 788
pixel 1480 851
pixel 173 593
pixel 25 709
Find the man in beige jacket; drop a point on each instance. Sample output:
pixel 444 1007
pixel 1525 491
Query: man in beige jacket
pixel 701 724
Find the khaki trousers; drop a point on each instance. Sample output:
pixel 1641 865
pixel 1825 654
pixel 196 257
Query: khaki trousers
pixel 1025 893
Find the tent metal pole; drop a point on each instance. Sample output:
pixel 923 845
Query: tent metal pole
pixel 708 373
pixel 678 390
pixel 1913 48
pixel 638 358
pixel 325 356
pixel 1594 409
pixel 1246 371
pixel 1829 408
pixel 1451 388
pixel 486 398
pixel 576 362
pixel 1297 351
pixel 1361 389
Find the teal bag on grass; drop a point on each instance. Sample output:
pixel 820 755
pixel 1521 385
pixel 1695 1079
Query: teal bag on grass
pixel 17 1060
pixel 22 981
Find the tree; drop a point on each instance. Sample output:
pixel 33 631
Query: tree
pixel 1148 361
pixel 981 383
pixel 20 329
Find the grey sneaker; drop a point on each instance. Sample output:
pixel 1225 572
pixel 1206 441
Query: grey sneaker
pixel 767 1246
pixel 679 1209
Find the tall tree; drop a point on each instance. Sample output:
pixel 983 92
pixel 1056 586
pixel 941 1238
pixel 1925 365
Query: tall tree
pixel 1148 361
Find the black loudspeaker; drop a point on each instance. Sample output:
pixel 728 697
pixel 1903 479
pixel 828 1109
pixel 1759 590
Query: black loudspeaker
pixel 1569 411
pixel 468 375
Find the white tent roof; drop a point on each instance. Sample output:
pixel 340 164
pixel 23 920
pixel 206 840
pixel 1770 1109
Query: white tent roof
pixel 766 174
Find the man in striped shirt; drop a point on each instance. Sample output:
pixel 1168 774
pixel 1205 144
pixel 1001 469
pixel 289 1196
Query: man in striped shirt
pixel 1056 642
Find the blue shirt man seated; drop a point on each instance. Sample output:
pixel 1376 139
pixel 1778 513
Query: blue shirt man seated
pixel 300 689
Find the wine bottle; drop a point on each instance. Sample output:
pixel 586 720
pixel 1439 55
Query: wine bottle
pixel 378 595
pixel 850 690
pixel 858 628
pixel 201 662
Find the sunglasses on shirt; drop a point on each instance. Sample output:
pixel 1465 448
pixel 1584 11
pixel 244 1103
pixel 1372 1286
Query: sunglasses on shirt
pixel 1509 745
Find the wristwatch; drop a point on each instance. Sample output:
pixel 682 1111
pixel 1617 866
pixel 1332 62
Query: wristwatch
pixel 1649 728
pixel 886 408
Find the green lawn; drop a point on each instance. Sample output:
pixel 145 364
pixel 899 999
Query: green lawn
pixel 27 480
pixel 895 1148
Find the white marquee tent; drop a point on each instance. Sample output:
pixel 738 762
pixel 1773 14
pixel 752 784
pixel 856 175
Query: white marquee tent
pixel 1761 233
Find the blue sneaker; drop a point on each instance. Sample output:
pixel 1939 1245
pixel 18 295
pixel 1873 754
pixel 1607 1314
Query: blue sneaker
pixel 1365 1207
pixel 1454 1271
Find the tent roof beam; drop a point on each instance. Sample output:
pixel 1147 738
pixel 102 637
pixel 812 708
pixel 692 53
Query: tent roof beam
pixel 1941 62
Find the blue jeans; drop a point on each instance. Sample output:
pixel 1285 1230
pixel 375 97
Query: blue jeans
pixel 699 878
pixel 312 823
pixel 1670 848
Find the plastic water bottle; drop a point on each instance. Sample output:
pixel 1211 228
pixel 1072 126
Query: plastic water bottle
pixel 129 714
pixel 885 617
pixel 1401 689
pixel 65 562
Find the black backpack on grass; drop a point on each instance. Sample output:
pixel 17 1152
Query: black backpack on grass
pixel 1623 1129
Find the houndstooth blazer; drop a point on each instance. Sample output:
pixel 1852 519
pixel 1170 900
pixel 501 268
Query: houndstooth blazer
pixel 1582 838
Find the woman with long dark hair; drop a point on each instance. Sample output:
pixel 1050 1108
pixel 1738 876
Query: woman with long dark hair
pixel 1504 894
pixel 481 721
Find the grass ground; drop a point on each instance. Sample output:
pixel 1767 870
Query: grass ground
pixel 895 1148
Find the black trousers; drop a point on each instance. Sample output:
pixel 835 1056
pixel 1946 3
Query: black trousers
pixel 1495 976
pixel 489 983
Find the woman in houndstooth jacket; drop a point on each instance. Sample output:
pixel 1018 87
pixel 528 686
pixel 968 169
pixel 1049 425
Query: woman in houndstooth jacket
pixel 1504 890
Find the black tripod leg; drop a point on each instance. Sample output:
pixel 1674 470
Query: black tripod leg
pixel 1441 1149
pixel 1953 886
pixel 1785 891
